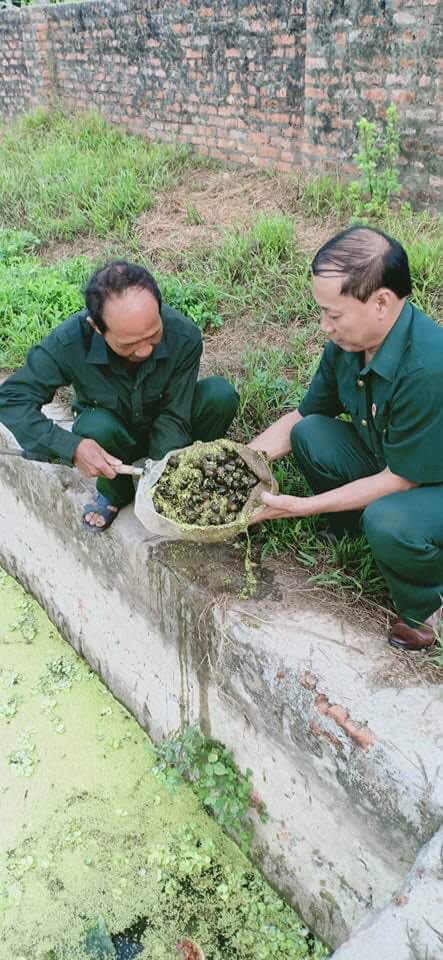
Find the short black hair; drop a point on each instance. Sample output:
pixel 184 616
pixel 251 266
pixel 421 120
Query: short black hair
pixel 113 278
pixel 367 259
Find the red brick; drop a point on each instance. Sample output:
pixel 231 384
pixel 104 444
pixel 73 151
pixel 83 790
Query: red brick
pixel 283 167
pixel 403 96
pixel 374 95
pixel 266 151
pixel 285 39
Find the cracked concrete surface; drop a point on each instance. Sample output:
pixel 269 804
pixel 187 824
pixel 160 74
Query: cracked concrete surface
pixel 349 766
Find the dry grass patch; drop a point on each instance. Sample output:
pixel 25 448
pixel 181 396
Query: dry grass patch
pixel 209 203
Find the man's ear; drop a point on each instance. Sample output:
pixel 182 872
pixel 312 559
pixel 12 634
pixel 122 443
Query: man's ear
pixel 383 300
pixel 94 325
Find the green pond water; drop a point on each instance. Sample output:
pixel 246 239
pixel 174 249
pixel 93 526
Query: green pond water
pixel 97 859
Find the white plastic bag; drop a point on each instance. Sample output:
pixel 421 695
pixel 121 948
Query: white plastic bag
pixel 171 530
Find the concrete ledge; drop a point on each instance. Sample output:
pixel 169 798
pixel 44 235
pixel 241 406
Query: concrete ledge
pixel 348 764
pixel 411 925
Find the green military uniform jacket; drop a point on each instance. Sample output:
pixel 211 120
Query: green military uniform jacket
pixel 157 398
pixel 395 401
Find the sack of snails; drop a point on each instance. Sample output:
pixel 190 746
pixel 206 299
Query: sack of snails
pixel 207 493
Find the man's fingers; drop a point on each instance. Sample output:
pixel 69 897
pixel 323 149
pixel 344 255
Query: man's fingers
pixel 105 469
pixel 113 461
pixel 272 500
pixel 94 461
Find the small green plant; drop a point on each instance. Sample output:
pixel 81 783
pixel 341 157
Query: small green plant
pixel 24 759
pixel 377 160
pixel 193 217
pixel 8 708
pixel 209 767
pixel 59 674
pixel 26 621
pixel 198 300
pixel 14 244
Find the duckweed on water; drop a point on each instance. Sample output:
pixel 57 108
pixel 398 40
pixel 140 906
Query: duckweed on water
pixel 94 851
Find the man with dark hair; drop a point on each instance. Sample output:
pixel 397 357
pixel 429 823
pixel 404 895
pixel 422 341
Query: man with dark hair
pixel 382 467
pixel 133 362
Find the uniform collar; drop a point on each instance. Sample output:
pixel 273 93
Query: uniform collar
pixel 389 355
pixel 98 352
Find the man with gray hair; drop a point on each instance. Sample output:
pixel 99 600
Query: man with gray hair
pixel 380 468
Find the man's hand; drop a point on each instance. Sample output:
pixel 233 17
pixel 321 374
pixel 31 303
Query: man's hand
pixel 282 506
pixel 355 495
pixel 93 461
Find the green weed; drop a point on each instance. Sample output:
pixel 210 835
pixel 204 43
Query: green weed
pixel 197 299
pixel 35 298
pixel 216 780
pixel 26 621
pixel 15 244
pixel 321 197
pixel 24 759
pixel 193 217
pixel 260 273
pixel 59 674
pixel 377 160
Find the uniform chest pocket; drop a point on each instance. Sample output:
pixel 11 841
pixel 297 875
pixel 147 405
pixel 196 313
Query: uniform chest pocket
pixel 380 420
pixel 152 402
pixel 97 398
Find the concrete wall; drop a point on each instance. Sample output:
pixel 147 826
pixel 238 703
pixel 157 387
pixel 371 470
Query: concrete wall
pixel 272 84
pixel 347 759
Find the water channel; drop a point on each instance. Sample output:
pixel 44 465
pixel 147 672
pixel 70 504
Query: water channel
pixel 98 861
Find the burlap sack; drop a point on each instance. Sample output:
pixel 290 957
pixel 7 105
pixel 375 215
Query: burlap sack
pixel 171 530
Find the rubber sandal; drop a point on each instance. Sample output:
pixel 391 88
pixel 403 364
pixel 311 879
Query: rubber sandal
pixel 102 506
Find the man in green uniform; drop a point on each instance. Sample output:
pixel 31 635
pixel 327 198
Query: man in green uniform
pixel 382 467
pixel 134 363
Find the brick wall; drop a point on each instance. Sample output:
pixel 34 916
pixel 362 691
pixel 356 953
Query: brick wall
pixel 272 83
pixel 364 55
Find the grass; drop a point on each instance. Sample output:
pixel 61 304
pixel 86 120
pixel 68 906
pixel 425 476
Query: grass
pixel 63 177
pixel 34 298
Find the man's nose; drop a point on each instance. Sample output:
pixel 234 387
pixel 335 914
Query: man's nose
pixel 144 352
pixel 326 326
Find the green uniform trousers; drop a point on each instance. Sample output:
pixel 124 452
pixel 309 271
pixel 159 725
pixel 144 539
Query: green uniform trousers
pixel 213 410
pixel 405 530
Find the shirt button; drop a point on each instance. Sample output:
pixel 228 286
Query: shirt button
pixel 364 423
pixel 360 383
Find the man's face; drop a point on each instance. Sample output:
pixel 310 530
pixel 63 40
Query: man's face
pixel 133 323
pixel 351 324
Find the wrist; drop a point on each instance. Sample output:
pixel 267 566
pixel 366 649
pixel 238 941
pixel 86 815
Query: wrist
pixel 306 507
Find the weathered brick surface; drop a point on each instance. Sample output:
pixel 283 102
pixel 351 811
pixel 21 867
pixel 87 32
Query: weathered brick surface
pixel 364 55
pixel 273 83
